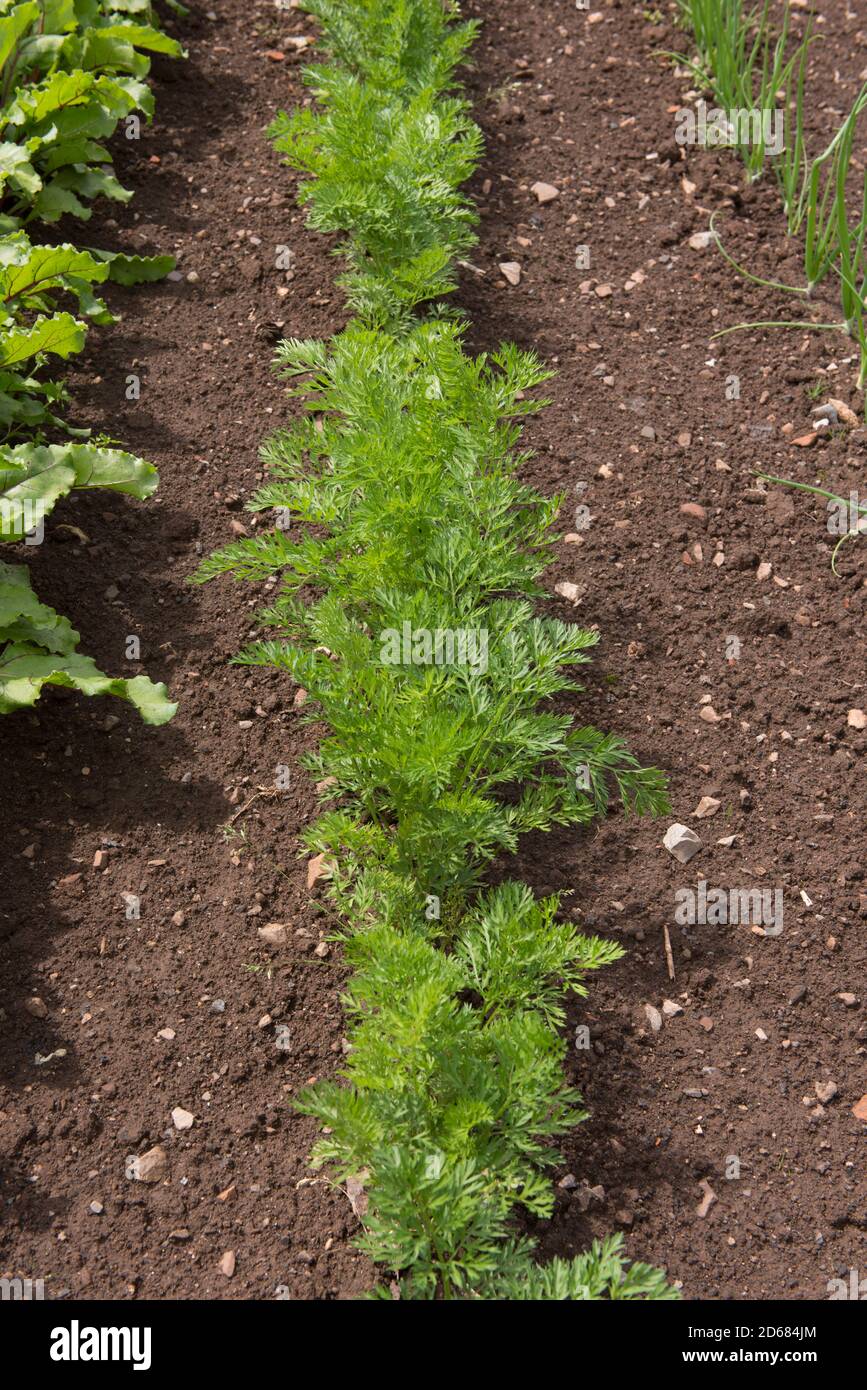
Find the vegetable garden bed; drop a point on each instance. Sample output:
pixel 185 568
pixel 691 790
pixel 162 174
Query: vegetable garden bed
pixel 185 1005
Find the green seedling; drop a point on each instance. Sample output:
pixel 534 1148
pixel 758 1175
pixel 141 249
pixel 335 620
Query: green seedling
pixel 845 504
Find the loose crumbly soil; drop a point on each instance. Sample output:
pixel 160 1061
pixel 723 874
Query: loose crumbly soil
pixel 726 1085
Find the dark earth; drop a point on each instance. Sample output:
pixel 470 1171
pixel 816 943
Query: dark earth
pixel 722 1142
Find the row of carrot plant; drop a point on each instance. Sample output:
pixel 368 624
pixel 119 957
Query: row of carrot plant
pixel 72 73
pixel 405 580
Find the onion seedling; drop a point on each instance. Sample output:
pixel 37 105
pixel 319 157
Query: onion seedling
pixel 860 527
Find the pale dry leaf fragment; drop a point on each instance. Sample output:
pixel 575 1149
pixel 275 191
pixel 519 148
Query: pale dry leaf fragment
pixel 510 271
pixel 75 531
pixel 708 1198
pixel 316 869
pixel 669 954
pixel 845 414
pixel 42 1060
pixel 573 592
pixel 355 1191
pixel 654 1017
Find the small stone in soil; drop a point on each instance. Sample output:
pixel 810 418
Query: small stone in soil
pixel 152 1166
pixel 274 934
pixel 681 842
pixel 545 192
pixel 510 271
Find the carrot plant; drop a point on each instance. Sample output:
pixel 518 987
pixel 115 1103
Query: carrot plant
pixel 406 577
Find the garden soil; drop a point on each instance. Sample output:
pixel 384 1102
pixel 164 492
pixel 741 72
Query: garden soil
pixel 141 1007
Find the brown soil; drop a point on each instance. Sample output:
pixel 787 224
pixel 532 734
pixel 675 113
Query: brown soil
pixel 582 105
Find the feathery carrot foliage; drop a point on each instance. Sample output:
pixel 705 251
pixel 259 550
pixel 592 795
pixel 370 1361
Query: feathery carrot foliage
pixel 406 577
